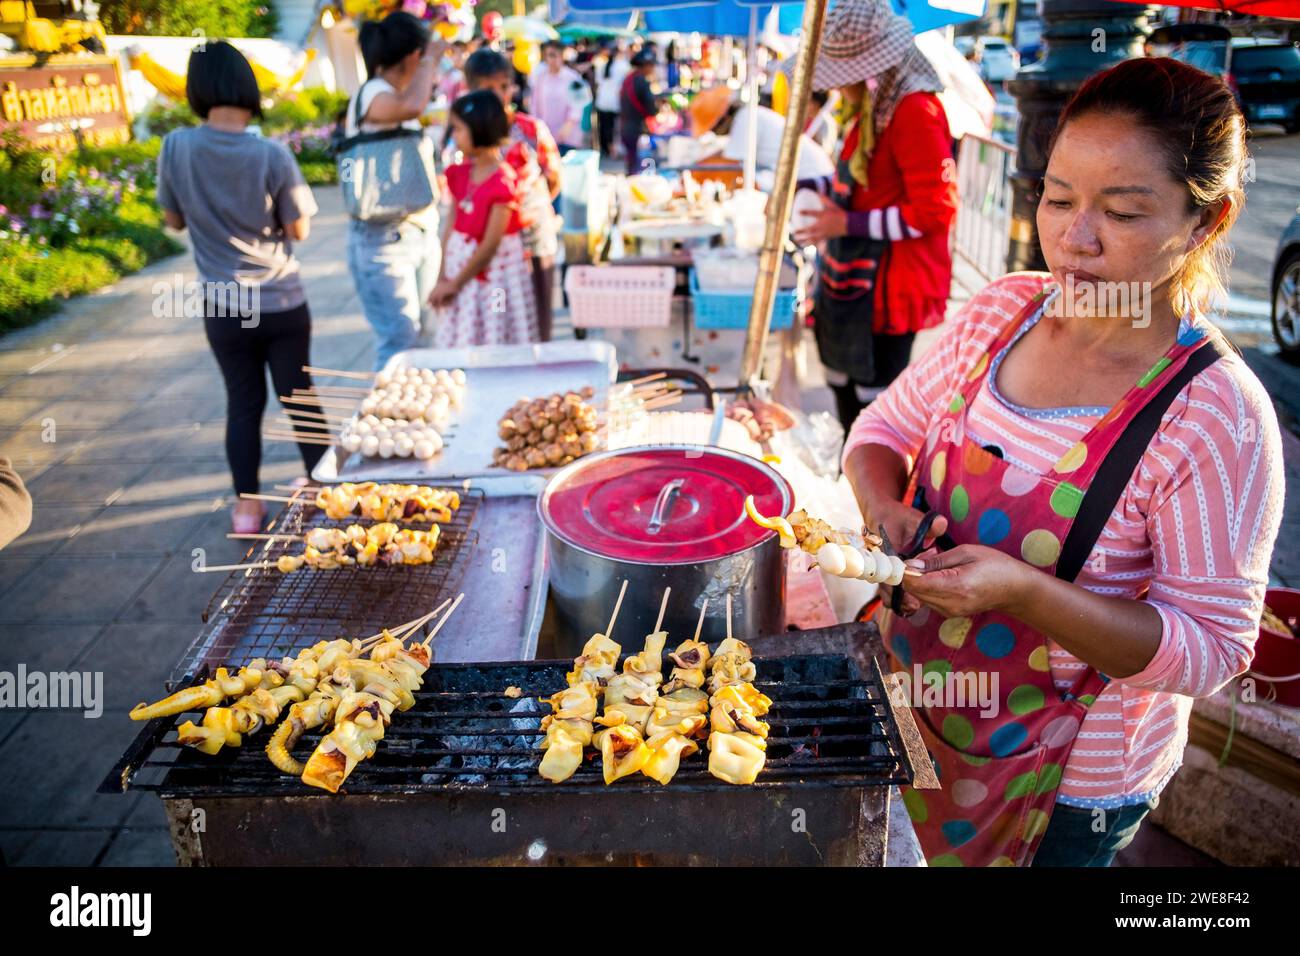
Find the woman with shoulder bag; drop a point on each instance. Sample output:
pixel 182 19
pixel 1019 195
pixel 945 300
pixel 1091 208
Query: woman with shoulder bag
pixel 393 256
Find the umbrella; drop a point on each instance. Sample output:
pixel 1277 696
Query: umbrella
pixel 1285 9
pixel 527 28
pixel 589 31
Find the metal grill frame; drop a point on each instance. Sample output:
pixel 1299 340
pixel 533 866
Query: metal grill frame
pixel 262 612
pixel 854 700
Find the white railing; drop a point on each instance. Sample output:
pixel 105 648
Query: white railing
pixel 982 232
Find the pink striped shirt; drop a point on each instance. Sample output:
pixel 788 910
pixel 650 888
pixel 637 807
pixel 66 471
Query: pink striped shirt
pixel 1192 534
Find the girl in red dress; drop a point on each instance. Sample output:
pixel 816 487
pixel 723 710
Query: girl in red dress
pixel 484 295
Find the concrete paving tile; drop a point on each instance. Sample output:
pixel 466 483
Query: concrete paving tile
pixel 50 385
pixel 15 411
pixel 84 483
pixel 205 442
pixel 178 594
pixel 61 847
pixel 45 647
pixel 136 660
pixel 128 529
pixel 77 590
pixel 80 413
pixel 53 525
pixel 170 481
pixel 161 412
pixel 133 847
pixel 115 444
pixel 200 385
pixel 53 765
pixel 13 569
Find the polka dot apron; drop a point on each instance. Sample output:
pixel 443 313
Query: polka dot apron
pixel 999 774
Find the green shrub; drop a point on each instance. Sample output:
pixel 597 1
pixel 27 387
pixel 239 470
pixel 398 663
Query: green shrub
pixel 319 172
pixel 75 225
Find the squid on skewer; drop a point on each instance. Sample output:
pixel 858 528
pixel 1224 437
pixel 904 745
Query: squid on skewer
pixel 569 728
pixel 835 551
pixel 256 675
pixel 225 726
pixel 387 683
pixel 737 737
pixel 678 715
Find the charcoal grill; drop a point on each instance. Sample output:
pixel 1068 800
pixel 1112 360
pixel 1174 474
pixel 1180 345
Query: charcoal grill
pixel 455 781
pixel 262 612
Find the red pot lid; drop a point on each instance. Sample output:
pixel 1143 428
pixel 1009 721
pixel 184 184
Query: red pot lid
pixel 607 503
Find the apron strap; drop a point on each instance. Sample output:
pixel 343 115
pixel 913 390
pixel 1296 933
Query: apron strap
pixel 1113 474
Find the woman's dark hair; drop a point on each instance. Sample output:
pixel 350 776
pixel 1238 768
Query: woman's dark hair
pixel 389 41
pixel 1201 133
pixel 645 57
pixel 218 75
pixel 555 45
pixel 485 117
pixel 485 63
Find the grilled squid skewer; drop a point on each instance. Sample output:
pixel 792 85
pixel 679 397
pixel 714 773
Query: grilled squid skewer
pixel 362 716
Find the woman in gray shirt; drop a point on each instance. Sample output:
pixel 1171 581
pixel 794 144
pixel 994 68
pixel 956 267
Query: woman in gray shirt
pixel 244 202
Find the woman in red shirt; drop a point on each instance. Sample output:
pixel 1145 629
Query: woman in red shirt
pixel 884 267
pixel 485 293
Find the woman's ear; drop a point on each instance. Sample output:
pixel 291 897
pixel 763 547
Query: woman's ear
pixel 1207 221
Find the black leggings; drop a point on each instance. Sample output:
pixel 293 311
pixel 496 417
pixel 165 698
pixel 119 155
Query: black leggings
pixel 630 134
pixel 891 354
pixel 281 340
pixel 606 127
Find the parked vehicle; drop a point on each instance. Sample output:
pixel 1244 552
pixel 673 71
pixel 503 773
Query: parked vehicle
pixel 1266 77
pixel 997 59
pixel 1286 292
pixel 1264 74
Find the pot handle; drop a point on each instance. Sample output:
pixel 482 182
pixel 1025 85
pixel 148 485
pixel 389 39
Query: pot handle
pixel 663 505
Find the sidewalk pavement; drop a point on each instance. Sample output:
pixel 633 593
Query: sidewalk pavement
pixel 115 419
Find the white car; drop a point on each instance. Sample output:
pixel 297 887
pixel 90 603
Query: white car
pixel 997 59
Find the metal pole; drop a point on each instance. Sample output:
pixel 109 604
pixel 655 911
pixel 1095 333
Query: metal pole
pixel 751 81
pixel 782 198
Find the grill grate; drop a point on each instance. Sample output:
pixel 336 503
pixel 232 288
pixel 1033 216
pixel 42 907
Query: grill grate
pixel 831 726
pixel 264 613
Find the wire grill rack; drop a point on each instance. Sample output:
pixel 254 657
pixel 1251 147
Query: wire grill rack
pixel 261 612
pixel 831 726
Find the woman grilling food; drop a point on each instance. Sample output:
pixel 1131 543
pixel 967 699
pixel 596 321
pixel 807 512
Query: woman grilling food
pixel 1101 476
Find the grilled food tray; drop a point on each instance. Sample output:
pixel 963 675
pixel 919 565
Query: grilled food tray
pixel 832 725
pixel 262 612
pixel 496 376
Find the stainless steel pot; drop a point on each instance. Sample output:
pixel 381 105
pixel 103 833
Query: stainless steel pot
pixel 663 516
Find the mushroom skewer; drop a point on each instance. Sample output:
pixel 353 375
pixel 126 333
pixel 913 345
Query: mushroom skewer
pixel 387 502
pixel 382 544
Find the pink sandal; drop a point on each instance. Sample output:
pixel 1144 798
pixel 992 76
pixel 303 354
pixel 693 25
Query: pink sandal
pixel 247 522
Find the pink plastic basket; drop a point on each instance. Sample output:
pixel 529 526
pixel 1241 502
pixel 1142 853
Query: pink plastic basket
pixel 623 297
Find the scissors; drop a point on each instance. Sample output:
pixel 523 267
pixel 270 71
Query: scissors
pixel 914 547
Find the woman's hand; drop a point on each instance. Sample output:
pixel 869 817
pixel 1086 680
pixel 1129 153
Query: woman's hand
pixel 970 579
pixel 830 223
pixel 444 293
pixel 901 522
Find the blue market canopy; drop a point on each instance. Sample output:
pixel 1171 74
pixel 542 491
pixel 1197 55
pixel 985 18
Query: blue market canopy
pixel 732 17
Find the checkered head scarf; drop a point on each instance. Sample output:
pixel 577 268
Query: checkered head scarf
pixel 866 40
